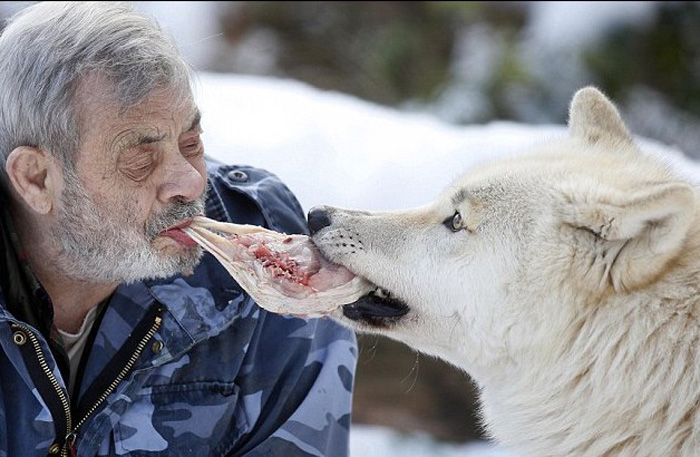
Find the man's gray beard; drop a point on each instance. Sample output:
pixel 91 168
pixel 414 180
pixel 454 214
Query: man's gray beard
pixel 104 244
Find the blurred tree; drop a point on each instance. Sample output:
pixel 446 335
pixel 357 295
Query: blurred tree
pixel 652 70
pixel 663 55
pixel 387 52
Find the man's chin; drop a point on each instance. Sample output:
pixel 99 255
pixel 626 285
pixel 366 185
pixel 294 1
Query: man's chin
pixel 167 245
pixel 189 262
pixel 179 258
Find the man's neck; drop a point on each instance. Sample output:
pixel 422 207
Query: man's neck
pixel 71 298
pixel 72 302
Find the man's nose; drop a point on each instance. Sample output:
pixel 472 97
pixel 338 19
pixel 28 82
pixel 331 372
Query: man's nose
pixel 182 179
pixel 318 218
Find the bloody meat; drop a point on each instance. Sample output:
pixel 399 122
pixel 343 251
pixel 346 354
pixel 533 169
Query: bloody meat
pixel 283 273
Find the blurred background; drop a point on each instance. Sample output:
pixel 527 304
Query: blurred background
pixel 466 63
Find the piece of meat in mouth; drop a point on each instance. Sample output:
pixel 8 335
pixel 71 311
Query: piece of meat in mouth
pixel 176 233
pixel 287 273
pixel 283 273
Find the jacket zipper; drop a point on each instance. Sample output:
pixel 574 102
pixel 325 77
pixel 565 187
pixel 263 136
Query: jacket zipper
pixel 52 379
pixel 68 447
pixel 119 378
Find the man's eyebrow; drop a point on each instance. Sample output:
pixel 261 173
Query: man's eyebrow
pixel 196 119
pixel 131 139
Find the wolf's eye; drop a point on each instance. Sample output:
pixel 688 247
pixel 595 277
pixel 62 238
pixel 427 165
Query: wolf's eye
pixel 455 223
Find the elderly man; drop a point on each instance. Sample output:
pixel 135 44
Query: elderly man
pixel 117 335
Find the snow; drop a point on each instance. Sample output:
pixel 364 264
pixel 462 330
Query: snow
pixel 369 441
pixel 334 149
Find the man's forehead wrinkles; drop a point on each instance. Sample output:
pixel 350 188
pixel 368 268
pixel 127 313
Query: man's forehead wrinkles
pixel 134 133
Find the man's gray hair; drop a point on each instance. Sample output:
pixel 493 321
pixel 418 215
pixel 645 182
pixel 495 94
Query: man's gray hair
pixel 47 48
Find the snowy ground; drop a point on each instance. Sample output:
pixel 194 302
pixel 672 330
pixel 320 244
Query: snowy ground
pixel 334 149
pixel 368 441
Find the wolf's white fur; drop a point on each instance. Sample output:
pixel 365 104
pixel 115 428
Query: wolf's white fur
pixel 570 294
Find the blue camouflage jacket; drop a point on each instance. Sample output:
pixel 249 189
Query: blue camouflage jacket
pixel 188 366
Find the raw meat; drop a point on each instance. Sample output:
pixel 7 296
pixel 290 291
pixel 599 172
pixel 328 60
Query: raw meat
pixel 283 273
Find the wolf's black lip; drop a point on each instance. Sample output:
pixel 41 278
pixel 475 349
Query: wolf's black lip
pixel 375 310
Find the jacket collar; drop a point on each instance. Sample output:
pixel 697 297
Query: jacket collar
pixel 24 297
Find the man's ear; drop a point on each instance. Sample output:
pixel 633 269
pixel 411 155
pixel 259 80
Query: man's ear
pixel 31 172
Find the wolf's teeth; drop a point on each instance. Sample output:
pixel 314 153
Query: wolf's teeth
pixel 382 293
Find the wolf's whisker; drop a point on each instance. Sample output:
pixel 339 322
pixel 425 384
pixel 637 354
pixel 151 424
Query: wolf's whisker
pixel 414 371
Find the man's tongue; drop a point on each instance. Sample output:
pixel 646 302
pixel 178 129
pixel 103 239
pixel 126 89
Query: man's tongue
pixel 181 237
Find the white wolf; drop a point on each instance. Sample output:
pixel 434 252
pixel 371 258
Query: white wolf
pixel 565 281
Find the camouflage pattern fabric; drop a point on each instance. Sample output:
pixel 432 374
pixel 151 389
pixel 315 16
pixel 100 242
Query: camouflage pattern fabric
pixel 221 377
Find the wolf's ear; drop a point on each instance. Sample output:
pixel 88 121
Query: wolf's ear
pixel 593 118
pixel 631 239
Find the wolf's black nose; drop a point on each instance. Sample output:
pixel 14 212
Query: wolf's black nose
pixel 318 218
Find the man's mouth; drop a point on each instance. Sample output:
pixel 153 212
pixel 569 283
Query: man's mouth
pixel 175 232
